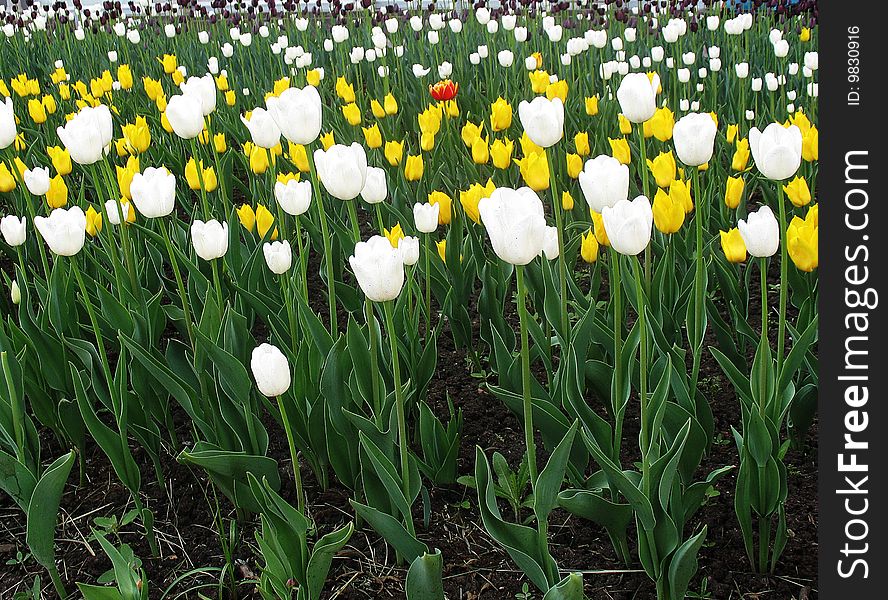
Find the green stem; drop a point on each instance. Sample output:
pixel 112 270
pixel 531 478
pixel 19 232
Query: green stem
pixel 784 263
pixel 525 377
pixel 294 456
pixel 643 171
pixel 180 284
pixel 699 284
pixel 328 249
pixel 617 401
pixel 562 268
pixel 399 407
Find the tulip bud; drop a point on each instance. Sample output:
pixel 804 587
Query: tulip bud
pixel 210 239
pixel 271 370
pixel 375 188
pixel 629 225
pixel 15 294
pixel 278 256
pixel 37 180
pixel 14 230
pixel 409 249
pixel 760 232
pixel 425 217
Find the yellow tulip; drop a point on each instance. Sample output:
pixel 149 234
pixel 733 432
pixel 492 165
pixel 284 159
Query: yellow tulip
pixel 567 201
pixel 574 165
pixel 64 91
pixel 247 217
pixel 804 35
pixel 500 115
pixel 20 166
pixel 125 77
pixel 287 177
pixel 732 245
pixel 259 160
pixel 528 146
pixel 7 181
pixel 812 215
pixel 734 192
pixel 352 114
pixel 230 98
pixel 125 176
pixel 178 78
pixel 445 204
pixel 663 168
pixel 298 156
pixel 557 90
pixel 620 150
pixel 93 221
pixel 137 135
pixel 390 104
pixel 427 142
pixel 592 106
pixel 797 191
pixel 165 123
pixel 194 178
pixel 625 125
pixel 451 109
pixel 169 63
pixel 538 59
pixel 327 140
pixel 539 81
pixel 732 133
pixel 741 155
pixel 37 111
pixel 57 196
pixel 469 200
pixel 680 192
pixel 810 142
pixel 394 152
pixel 470 132
pixel 662 123
pixel 581 144
pixel 414 167
pixel 281 85
pixel 802 244
pixel 61 159
pixel 669 215
pixel 589 247
pixel 800 120
pixel 264 222
pixel 219 143
pixel 345 90
pixel 394 235
pixel 501 152
pixel 377 109
pixel 49 104
pixel 535 171
pixel 442 249
pixel 372 136
pixel 598 225
pixel 480 151
pixel 313 77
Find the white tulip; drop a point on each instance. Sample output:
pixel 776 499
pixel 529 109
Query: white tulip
pixel 14 230
pixel 604 182
pixel 425 217
pixel 185 114
pixel 637 96
pixel 210 239
pixel 88 134
pixel 204 89
pixel 409 246
pixel 760 232
pixel 694 137
pixel 297 112
pixel 263 128
pixel 629 225
pixel 342 170
pixel 515 223
pixel 777 151
pixel 543 120
pixel 64 230
pixel 37 180
pixel 271 370
pixel 379 269
pixel 375 188
pixel 278 256
pixel 550 243
pixel 8 129
pixel 294 197
pixel 154 192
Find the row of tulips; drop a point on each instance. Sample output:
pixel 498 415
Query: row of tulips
pixel 318 232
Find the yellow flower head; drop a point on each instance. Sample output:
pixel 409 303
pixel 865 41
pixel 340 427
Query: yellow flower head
pixel 625 125
pixel 501 152
pixel 470 132
pixel 557 90
pixel 620 150
pixel 137 135
pixel 327 140
pixel 445 203
pixel 592 106
pixel 598 226
pixel 680 192
pixel 732 133
pixel 377 109
pixel 352 114
pixel 194 177
pixel 345 90
pixel 394 152
pixel 741 155
pixel 390 104
pixel 589 247
pixel 7 181
pixel 57 196
pixel 581 144
pixel 663 168
pixel 125 77
pixel 539 81
pixel 394 235
pixel 93 221
pixel 574 165
pixel 313 77
pixel 500 115
pixel 809 144
pixel 125 176
pixel 801 243
pixel 797 191
pixel 61 159
pixel 567 201
pixel 37 111
pixel 669 215
pixel 372 136
pixel 414 167
pixel 169 63
pixel 662 123
pixel 734 192
pixel 732 245
pixel 535 171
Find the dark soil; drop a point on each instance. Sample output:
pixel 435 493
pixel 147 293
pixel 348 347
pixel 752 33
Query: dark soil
pixel 191 546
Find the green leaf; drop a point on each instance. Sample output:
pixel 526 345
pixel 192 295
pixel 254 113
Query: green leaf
pixel 549 481
pixel 569 588
pixel 321 558
pixel 684 564
pixel 43 510
pixel 391 530
pixel 424 577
